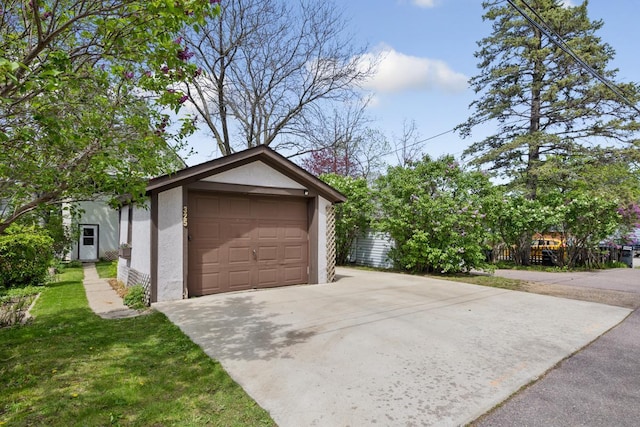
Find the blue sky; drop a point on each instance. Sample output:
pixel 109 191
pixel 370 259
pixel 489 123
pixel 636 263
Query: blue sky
pixel 429 46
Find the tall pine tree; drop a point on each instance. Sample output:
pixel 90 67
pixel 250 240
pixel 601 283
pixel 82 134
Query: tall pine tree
pixel 544 104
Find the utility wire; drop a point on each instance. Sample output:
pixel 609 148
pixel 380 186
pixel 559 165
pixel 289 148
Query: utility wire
pixel 556 39
pixel 414 143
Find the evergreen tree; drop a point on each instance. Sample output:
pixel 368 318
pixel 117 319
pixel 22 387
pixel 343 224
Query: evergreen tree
pixel 545 104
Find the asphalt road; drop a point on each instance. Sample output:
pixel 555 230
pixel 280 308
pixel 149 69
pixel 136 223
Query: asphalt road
pixel 597 386
pixel 619 279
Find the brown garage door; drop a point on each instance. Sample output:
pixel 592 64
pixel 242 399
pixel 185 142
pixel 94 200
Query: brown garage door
pixel 245 242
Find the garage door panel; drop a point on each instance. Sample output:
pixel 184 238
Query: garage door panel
pixel 293 275
pixel 207 257
pixel 238 230
pixel 294 253
pixel 239 255
pixel 267 277
pixel 238 208
pixel 292 210
pixel 239 280
pixel 206 229
pixel 209 283
pixel 294 232
pixel 266 209
pixel 204 206
pixel 268 253
pixel 223 241
pixel 267 231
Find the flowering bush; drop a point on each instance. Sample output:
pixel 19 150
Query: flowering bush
pixel 436 213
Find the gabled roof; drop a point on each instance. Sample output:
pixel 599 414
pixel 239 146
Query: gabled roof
pixel 260 153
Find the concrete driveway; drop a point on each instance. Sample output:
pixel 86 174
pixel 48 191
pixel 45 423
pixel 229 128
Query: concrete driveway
pixel 387 349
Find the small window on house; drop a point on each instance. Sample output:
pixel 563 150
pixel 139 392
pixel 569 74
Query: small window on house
pixel 88 236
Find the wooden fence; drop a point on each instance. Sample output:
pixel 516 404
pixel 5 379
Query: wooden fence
pixel 583 257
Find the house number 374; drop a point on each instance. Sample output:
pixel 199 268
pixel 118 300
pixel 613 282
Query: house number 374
pixel 185 221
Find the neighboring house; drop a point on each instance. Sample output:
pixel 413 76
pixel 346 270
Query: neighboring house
pixel 96 229
pixel 249 220
pixel 371 249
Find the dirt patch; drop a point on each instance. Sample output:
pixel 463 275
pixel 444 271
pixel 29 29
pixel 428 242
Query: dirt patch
pixel 16 310
pixel 119 287
pixel 603 296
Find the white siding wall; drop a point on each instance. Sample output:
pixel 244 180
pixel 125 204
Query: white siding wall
pixel 107 219
pixel 256 173
pixel 141 240
pixel 170 245
pixel 372 249
pixel 322 239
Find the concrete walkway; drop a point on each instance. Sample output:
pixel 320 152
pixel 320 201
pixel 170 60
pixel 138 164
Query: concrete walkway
pixel 103 299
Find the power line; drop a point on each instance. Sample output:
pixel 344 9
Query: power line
pixel 414 143
pixel 556 39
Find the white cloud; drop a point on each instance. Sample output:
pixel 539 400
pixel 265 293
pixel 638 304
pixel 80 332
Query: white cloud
pixel 568 3
pixel 396 72
pixel 425 3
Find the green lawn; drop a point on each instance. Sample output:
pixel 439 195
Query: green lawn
pixel 107 269
pixel 70 367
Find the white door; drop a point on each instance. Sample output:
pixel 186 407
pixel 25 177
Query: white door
pixel 88 245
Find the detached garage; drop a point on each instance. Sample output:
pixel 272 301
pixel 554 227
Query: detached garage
pixel 246 221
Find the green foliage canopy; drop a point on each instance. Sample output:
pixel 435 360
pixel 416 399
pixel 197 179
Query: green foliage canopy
pixel 353 217
pixel 437 214
pixel 82 85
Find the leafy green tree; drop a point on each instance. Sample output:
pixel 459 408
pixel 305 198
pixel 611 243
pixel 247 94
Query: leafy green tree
pixel 436 212
pixel 542 102
pixel 82 84
pixel 353 217
pixel 587 220
pixel 515 219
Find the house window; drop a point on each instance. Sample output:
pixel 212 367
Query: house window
pixel 88 236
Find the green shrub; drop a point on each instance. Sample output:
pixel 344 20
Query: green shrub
pixel 353 217
pixel 26 253
pixel 436 212
pixel 615 264
pixel 134 297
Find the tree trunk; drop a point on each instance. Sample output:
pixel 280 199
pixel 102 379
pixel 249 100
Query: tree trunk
pixel 533 159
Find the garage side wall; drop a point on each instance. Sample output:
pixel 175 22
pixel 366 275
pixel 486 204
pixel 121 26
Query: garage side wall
pixel 141 240
pixel 123 264
pixel 169 274
pixel 322 240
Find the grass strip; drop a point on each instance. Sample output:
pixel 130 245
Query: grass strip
pixel 70 367
pixel 485 280
pixel 107 269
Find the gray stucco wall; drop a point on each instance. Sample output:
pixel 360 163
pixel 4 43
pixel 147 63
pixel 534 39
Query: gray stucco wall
pixel 170 245
pixel 256 173
pixel 123 269
pixel 141 240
